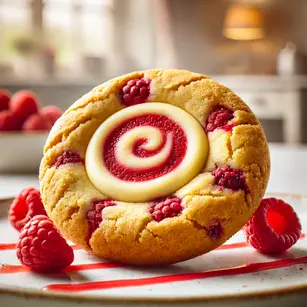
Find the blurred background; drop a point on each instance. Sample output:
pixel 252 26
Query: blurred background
pixel 60 49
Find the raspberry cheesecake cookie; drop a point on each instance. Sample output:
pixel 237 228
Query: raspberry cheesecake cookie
pixel 154 167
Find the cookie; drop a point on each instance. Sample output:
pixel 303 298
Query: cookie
pixel 154 167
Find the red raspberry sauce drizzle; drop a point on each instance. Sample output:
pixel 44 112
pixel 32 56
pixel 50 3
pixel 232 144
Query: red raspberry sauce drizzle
pixel 165 125
pixel 231 271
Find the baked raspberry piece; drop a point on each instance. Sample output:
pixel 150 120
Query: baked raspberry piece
pixel 52 113
pixel 230 178
pixel 5 97
pixel 9 122
pixel 37 122
pixel 42 248
pixel 135 91
pixel 274 227
pixel 94 216
pixel 166 207
pixel 24 103
pixel 214 229
pixel 219 118
pixel 68 157
pixel 25 206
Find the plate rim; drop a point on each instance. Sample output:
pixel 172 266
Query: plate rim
pixel 250 295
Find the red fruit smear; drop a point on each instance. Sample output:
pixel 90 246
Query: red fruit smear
pixel 94 216
pixel 219 118
pixel 68 157
pixel 135 91
pixel 230 178
pixel 165 125
pixel 215 229
pixel 147 281
pixel 165 208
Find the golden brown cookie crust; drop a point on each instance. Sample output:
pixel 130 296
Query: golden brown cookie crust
pixel 129 234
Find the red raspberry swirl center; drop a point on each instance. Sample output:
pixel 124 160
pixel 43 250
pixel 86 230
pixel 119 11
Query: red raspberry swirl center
pixel 165 125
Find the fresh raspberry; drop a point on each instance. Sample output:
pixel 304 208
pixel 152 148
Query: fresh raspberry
pixel 135 91
pixel 164 208
pixel 41 247
pixel 68 157
pixel 53 113
pixel 94 216
pixel 214 229
pixel 5 97
pixel 24 103
pixel 230 178
pixel 274 227
pixel 218 119
pixel 37 122
pixel 9 122
pixel 25 206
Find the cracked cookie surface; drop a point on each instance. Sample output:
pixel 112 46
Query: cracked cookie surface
pixel 198 216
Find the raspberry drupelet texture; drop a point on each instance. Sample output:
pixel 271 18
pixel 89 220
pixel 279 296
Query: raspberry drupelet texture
pixel 164 208
pixel 25 206
pixel 219 118
pixel 41 247
pixel 230 178
pixel 274 227
pixel 135 91
pixel 94 216
pixel 68 157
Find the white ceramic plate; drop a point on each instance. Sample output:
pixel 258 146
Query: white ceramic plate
pixel 21 152
pixel 233 275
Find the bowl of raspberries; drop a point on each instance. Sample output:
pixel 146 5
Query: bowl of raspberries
pixel 24 127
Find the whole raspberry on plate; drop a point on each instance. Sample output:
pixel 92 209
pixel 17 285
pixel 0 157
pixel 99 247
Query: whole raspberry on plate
pixel 25 206
pixel 274 227
pixel 53 113
pixel 24 103
pixel 9 122
pixel 42 248
pixel 37 122
pixel 5 97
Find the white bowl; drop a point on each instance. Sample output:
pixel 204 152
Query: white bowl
pixel 21 152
